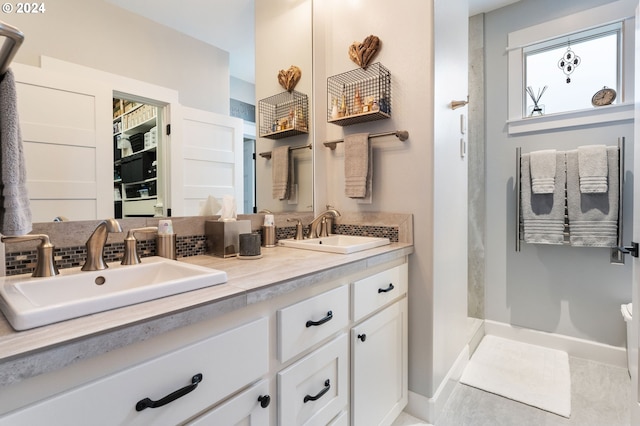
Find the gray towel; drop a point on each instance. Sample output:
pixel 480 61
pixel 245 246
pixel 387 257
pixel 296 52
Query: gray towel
pixel 592 168
pixel 15 210
pixel 280 173
pixel 357 170
pixel 543 214
pixel 593 217
pixel 543 171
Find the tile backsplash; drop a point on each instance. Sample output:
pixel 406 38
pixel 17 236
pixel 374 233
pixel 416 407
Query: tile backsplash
pixel 69 237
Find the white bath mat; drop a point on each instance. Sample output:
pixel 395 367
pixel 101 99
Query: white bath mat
pixel 526 373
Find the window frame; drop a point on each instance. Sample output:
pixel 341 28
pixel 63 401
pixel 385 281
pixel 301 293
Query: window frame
pixel 518 41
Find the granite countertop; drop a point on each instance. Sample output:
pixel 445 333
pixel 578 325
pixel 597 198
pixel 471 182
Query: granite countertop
pixel 280 270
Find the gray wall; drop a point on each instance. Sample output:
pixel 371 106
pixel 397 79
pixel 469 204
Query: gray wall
pixel 565 290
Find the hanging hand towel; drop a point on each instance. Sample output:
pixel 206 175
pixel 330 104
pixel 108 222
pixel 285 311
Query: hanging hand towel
pixel 592 168
pixel 15 210
pixel 593 217
pixel 356 165
pixel 543 171
pixel 543 214
pixel 280 172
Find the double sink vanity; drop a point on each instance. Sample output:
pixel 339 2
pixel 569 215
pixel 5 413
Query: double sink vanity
pixel 312 332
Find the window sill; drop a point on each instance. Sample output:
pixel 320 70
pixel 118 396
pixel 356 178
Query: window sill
pixel 605 114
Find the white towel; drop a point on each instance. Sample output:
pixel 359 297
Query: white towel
pixel 543 214
pixel 543 171
pixel 280 173
pixel 592 169
pixel 593 217
pixel 357 170
pixel 15 210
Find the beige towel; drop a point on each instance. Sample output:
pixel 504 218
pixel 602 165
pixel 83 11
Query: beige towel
pixel 280 173
pixel 356 165
pixel 543 171
pixel 15 210
pixel 593 169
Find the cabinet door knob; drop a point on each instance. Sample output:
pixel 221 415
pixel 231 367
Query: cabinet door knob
pixel 386 290
pixel 149 403
pixel 362 337
pixel 265 400
pixel 327 386
pixel 321 321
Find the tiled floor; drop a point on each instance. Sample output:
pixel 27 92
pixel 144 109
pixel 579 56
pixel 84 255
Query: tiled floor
pixel 599 397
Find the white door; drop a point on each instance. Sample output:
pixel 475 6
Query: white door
pixel 66 132
pixel 634 341
pixel 212 153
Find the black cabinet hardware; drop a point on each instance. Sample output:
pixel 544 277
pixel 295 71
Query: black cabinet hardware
pixel 386 290
pixel 264 400
pixel 322 321
pixel 362 337
pixel 327 386
pixel 149 403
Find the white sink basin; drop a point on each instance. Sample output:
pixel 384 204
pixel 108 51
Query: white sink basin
pixel 343 244
pixel 29 302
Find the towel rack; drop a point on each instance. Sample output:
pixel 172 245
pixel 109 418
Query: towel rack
pixel 403 135
pixel 616 252
pixel 267 154
pixel 13 38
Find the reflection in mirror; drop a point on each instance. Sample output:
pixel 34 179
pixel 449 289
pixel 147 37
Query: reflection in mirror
pixel 89 34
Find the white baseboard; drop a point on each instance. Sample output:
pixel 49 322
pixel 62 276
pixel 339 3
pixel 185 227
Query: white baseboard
pixel 579 348
pixel 429 409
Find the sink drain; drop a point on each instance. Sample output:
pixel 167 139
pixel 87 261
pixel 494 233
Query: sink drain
pixel 100 280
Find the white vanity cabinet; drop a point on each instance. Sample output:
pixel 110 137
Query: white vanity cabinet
pixel 250 408
pixel 187 381
pixel 379 350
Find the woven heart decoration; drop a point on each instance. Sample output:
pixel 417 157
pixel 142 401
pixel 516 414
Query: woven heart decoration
pixel 289 78
pixel 363 53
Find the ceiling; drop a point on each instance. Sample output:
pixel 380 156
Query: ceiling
pixel 229 25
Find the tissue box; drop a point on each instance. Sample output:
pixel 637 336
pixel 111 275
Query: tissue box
pixel 223 237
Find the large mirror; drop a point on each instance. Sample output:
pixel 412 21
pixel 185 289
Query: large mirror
pixel 204 60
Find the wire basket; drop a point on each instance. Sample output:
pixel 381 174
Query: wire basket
pixel 283 115
pixel 359 95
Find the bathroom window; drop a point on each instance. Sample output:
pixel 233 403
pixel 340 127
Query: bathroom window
pixel 567 71
pixel 602 38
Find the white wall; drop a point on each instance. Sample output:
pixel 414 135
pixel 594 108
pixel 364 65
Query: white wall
pixel 97 34
pixel 425 175
pixel 565 290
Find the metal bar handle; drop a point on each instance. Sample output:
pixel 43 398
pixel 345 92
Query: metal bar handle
pixel 320 322
pixel 327 386
pixel 403 135
pixel 267 154
pixel 386 290
pixel 149 403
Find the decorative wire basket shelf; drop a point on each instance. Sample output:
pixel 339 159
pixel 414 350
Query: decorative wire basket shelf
pixel 283 115
pixel 359 95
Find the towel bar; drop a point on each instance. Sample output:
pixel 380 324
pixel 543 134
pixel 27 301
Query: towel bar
pixel 267 154
pixel 403 135
pixel 617 253
pixel 11 44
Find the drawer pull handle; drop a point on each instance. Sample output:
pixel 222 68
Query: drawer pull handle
pixel 327 386
pixel 320 322
pixel 148 403
pixel 362 337
pixel 264 400
pixel 386 290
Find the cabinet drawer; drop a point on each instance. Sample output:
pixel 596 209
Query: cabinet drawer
pixel 341 420
pixel 306 323
pixel 314 390
pixel 227 362
pixel 378 290
pixel 249 408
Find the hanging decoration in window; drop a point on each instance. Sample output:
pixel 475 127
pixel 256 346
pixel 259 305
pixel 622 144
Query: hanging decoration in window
pixel 569 62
